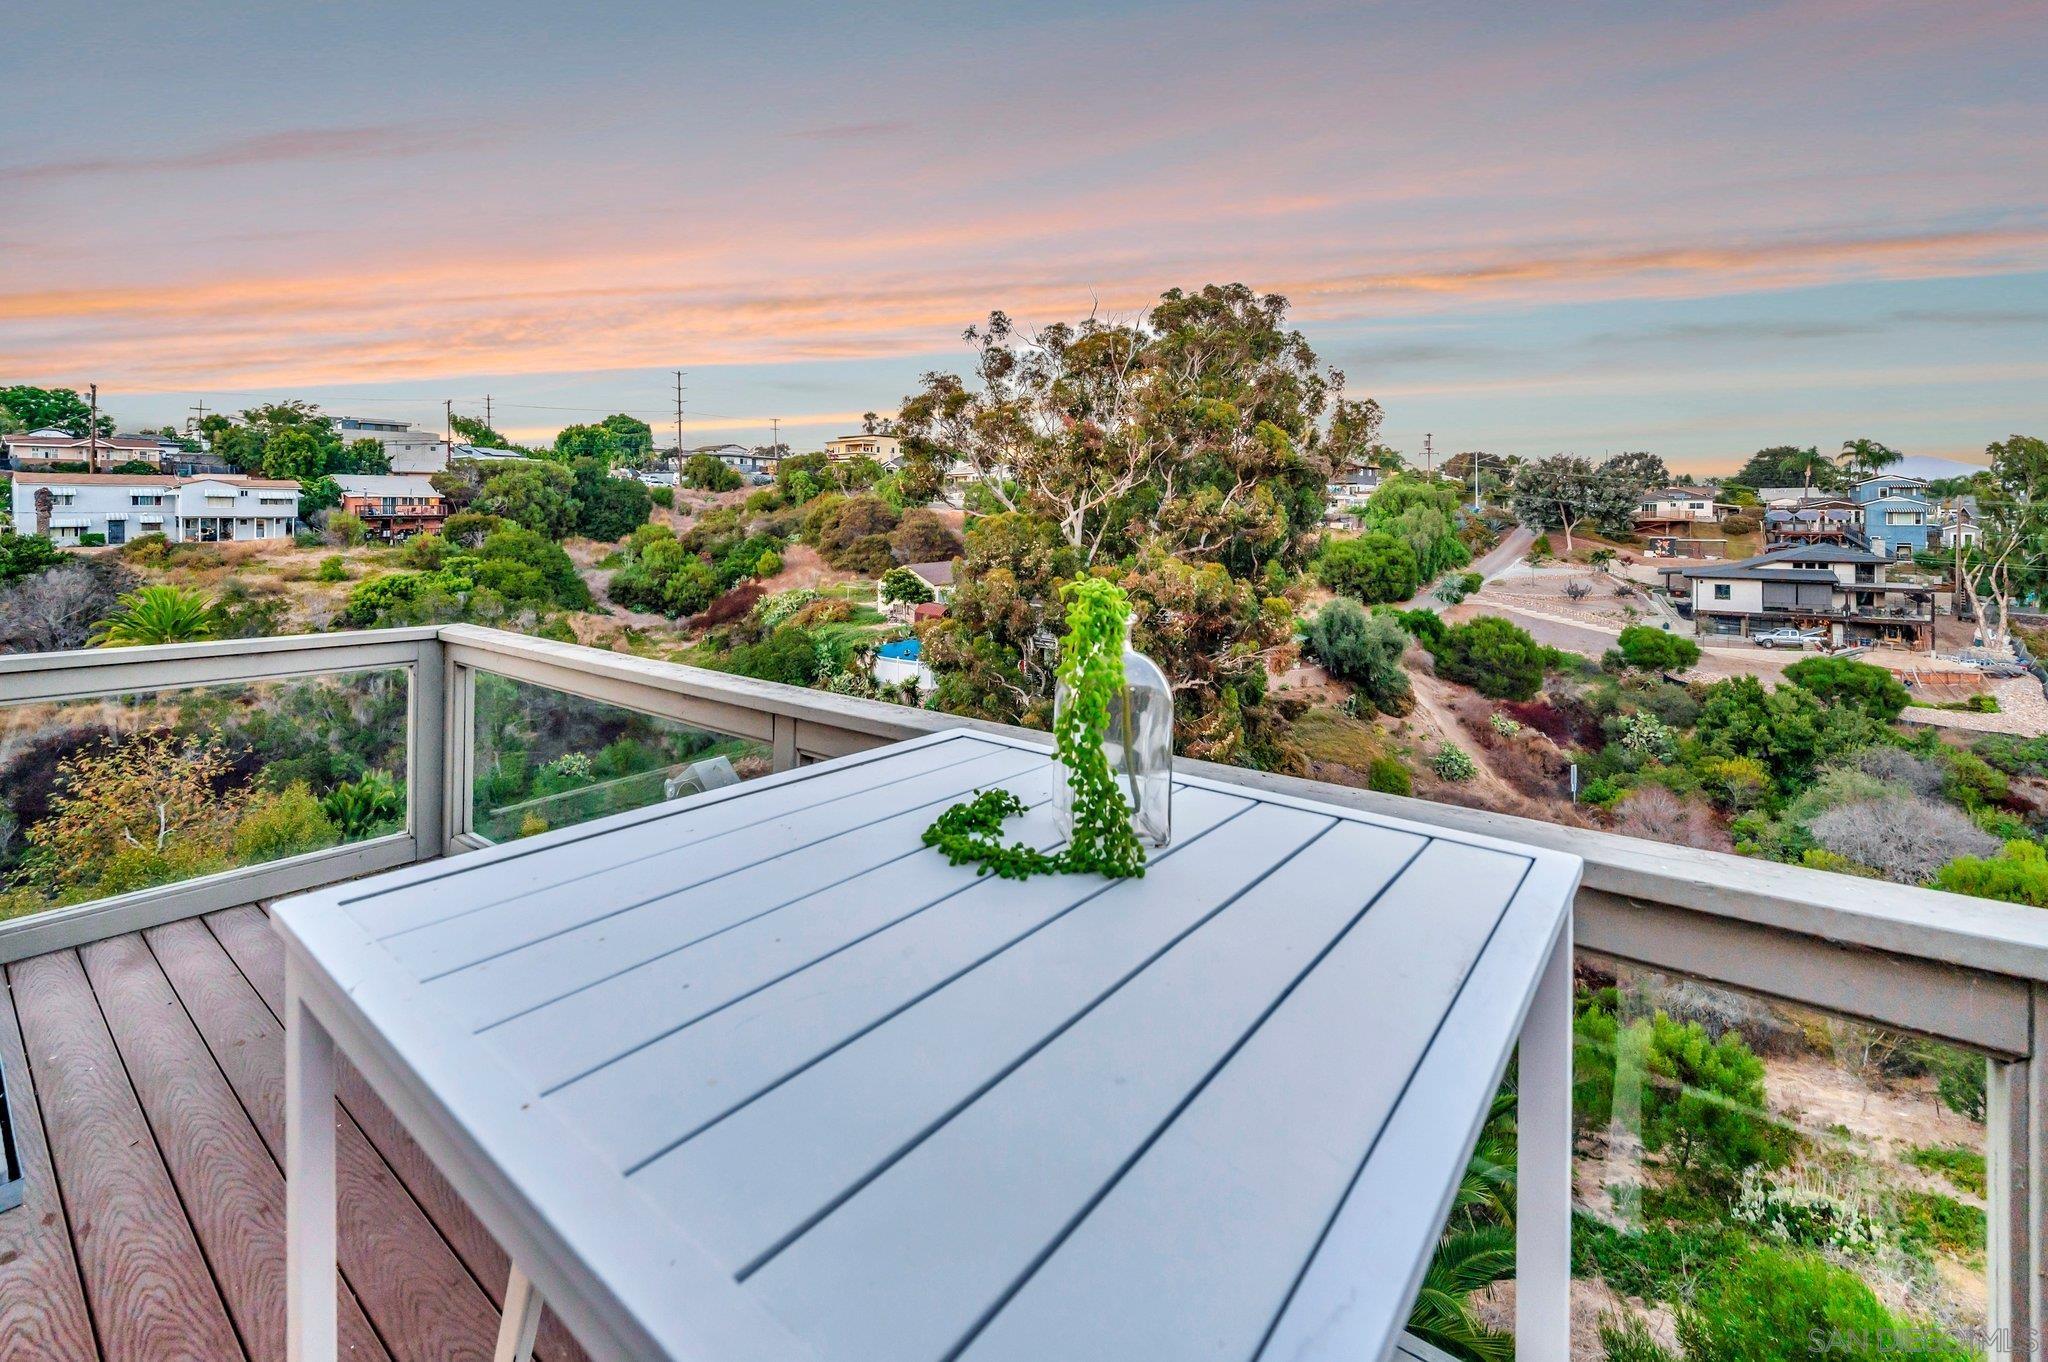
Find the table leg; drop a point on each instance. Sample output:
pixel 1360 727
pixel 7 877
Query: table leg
pixel 309 1181
pixel 1543 1166
pixel 521 1320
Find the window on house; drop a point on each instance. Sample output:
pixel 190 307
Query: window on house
pixel 1723 592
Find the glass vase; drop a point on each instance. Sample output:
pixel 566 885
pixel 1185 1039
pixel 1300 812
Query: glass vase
pixel 1138 745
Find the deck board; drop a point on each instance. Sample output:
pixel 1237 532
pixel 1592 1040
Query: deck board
pixel 153 1297
pixel 231 1186
pixel 152 1226
pixel 46 1320
pixel 245 935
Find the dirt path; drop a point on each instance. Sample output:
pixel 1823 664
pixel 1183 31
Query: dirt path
pixel 1490 565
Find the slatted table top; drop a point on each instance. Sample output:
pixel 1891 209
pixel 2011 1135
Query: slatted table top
pixel 755 1074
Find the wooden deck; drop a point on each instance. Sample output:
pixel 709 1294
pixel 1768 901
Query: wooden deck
pixel 147 1075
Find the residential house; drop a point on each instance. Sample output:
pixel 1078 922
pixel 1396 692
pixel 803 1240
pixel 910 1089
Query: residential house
pixel 937 576
pixel 1352 487
pixel 411 451
pixel 1666 507
pixel 1959 522
pixel 886 450
pixel 39 450
pixel 1841 590
pixel 393 505
pixel 1899 519
pixel 118 507
pixel 741 459
pixel 1815 520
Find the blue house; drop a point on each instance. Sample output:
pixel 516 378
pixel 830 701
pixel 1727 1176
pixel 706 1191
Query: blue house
pixel 1898 518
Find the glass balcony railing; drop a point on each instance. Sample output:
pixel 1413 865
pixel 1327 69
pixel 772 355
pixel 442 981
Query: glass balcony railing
pixel 1834 1085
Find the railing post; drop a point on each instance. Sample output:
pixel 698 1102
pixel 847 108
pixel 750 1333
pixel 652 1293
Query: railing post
pixel 427 752
pixel 2008 1122
pixel 782 742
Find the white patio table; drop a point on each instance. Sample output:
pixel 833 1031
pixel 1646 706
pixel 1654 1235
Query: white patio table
pixel 756 1075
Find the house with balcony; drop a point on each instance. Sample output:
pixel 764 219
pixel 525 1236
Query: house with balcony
pixel 1815 520
pixel 393 505
pixel 1899 518
pixel 886 450
pixel 740 458
pixel 1840 590
pixel 199 1160
pixel 1663 510
pixel 75 509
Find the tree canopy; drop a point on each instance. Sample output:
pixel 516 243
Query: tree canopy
pixel 1565 491
pixel 62 408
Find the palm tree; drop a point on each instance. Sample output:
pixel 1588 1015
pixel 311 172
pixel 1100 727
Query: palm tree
pixel 1806 462
pixel 158 614
pixel 1477 1248
pixel 1867 456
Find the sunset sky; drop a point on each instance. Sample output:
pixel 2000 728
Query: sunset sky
pixel 1594 226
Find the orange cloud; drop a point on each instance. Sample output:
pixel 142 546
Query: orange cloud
pixel 567 312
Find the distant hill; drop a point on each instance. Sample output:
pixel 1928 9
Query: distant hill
pixel 1930 467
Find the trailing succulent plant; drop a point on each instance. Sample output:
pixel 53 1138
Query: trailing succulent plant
pixel 1092 669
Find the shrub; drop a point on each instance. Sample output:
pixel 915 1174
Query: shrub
pixel 365 807
pixel 151 550
pixel 923 536
pixel 1811 1211
pixel 1493 656
pixel 1364 650
pixel 1786 728
pixel 346 528
pixel 1654 650
pixel 332 569
pixel 1961 1165
pixel 1503 725
pixel 788 655
pixel 1541 549
pixel 92 540
pixel 1426 626
pixel 1453 763
pixel 1840 680
pixel 1388 776
pixel 1373 568
pixel 1762 1305
pixel 1644 735
pixel 1626 1338
pixel 287 822
pixel 159 614
pixel 1937 1221
pixel 1905 838
pixel 664 497
pixel 710 474
pixel 768 564
pixel 733 606
pixel 1740 524
pixel 1654 813
pixel 2017 874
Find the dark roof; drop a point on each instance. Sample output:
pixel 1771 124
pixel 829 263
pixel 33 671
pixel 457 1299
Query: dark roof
pixel 1775 565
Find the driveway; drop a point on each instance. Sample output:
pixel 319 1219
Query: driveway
pixel 1491 564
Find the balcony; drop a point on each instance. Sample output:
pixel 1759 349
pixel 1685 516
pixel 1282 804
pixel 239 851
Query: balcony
pixel 141 1042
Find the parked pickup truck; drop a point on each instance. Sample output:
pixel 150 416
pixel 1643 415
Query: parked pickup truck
pixel 1787 638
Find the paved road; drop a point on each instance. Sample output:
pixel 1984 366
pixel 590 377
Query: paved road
pixel 1496 560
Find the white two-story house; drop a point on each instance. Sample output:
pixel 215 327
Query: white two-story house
pixel 75 509
pixel 1839 590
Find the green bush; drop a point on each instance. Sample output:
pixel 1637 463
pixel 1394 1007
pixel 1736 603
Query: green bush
pixel 1426 626
pixel 346 528
pixel 1771 1304
pixel 1843 681
pixel 1961 1165
pixel 1655 650
pixel 1786 729
pixel 1934 1221
pixel 708 473
pixel 2018 874
pixel 1388 776
pixel 332 569
pixel 1373 568
pixel 1494 657
pixel 92 541
pixel 664 497
pixel 366 807
pixel 1364 650
pixel 788 655
pixel 280 823
pixel 1626 1338
pixel 1453 763
pixel 1959 1081
pixel 1703 1103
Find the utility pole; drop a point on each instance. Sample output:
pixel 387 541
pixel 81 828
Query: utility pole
pixel 92 458
pixel 1475 480
pixel 1428 455
pixel 448 436
pixel 198 416
pixel 678 420
pixel 487 409
pixel 775 435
